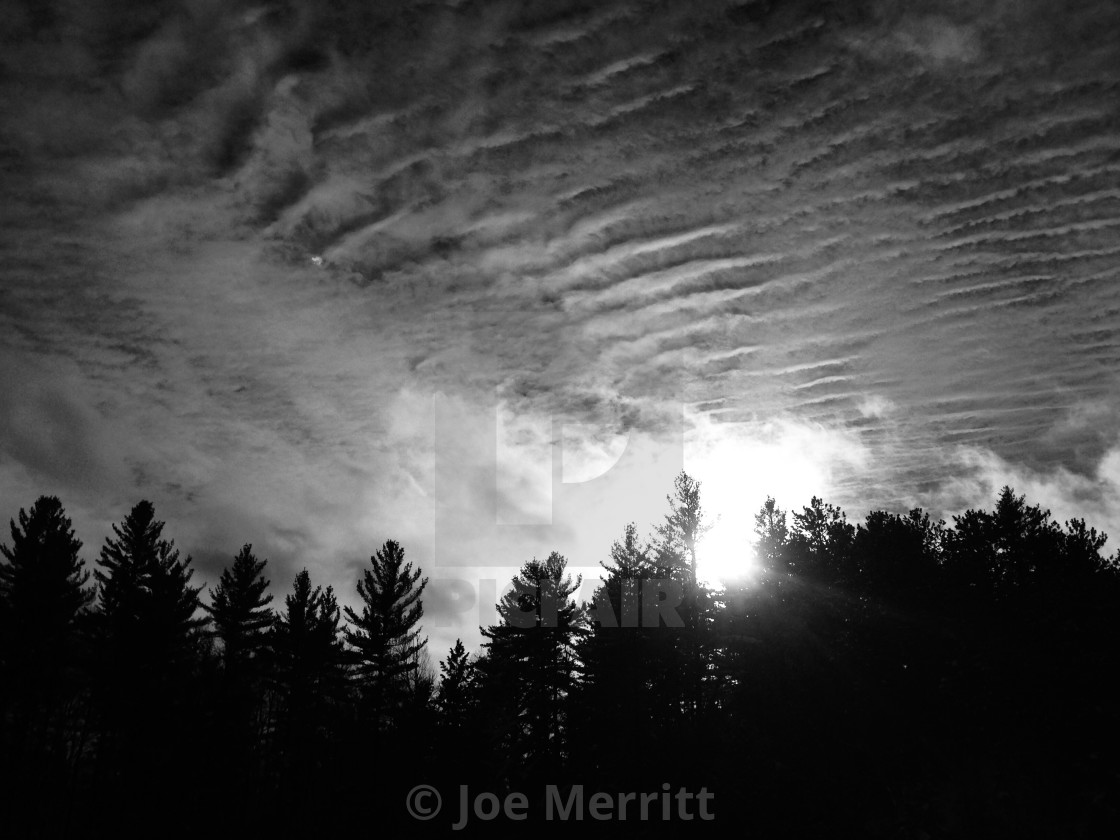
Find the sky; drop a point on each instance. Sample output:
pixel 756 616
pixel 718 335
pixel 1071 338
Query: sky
pixel 482 276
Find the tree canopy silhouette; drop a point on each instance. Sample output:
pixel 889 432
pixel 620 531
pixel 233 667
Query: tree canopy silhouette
pixel 385 637
pixel 890 677
pixel 42 591
pixel 239 609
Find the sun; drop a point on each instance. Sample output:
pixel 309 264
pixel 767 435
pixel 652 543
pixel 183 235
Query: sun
pixel 724 554
pixel 738 467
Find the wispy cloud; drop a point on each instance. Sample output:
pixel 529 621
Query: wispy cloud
pixel 246 247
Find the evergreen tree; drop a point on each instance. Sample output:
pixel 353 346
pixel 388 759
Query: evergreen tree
pixel 384 637
pixel 240 609
pixel 392 675
pixel 42 593
pixel 1081 550
pixel 148 636
pixel 147 609
pixel 615 742
pixel 897 554
pixel 1015 546
pixel 309 687
pixel 970 562
pixel 773 534
pixel 461 747
pixel 307 642
pixel 454 697
pixel 821 542
pixel 618 601
pixel 687 654
pixel 682 530
pixel 242 620
pixel 529 665
pixel 43 599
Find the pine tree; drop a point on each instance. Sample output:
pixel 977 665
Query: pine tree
pixel 999 552
pixel 686 652
pixel 460 732
pixel 148 635
pixel 308 678
pixel 242 620
pixel 42 593
pixel 1081 553
pixel 821 542
pixel 43 601
pixel 1028 542
pixel 897 554
pixel 619 657
pixel 309 685
pixel 454 697
pixel 306 634
pixel 384 637
pixel 773 534
pixel 529 667
pixel 618 601
pixel 682 530
pixel 147 609
pixel 307 642
pixel 239 609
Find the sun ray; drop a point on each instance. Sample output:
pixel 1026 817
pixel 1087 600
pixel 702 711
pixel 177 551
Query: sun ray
pixel 725 554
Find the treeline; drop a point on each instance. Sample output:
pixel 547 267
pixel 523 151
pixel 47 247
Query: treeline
pixel 898 677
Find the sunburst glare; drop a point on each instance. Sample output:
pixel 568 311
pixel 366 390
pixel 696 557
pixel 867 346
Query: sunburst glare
pixel 725 554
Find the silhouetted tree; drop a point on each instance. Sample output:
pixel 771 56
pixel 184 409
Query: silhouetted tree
pixel 618 601
pixel 42 594
pixel 616 743
pixel 1027 540
pixel 772 532
pixel 384 636
pixel 528 667
pixel 898 554
pixel 895 678
pixel 993 554
pixel 309 683
pixel 454 698
pixel 682 530
pixel 820 542
pixel 43 597
pixel 242 620
pixel 307 644
pixel 239 609
pixel 147 610
pixel 147 627
pixel 686 653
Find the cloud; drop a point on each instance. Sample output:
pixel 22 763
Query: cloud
pixel 934 40
pixel 1094 498
pixel 876 407
pixel 50 429
pixel 872 253
pixel 741 464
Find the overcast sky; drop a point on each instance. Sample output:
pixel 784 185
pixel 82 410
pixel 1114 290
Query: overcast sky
pixel 481 276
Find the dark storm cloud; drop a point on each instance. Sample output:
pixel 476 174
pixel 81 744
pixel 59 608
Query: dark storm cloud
pixel 260 231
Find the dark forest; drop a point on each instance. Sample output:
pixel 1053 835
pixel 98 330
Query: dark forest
pixel 899 677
